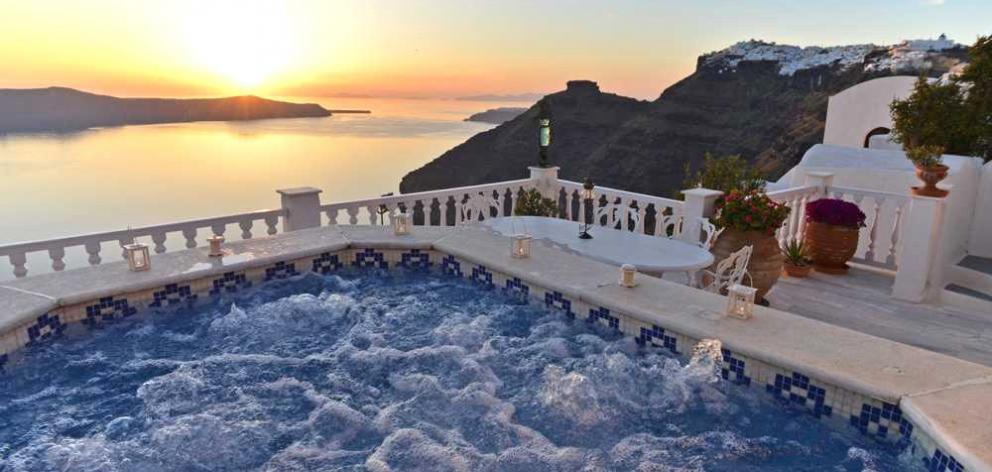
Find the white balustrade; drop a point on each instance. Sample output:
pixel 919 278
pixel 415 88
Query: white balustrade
pixel 628 211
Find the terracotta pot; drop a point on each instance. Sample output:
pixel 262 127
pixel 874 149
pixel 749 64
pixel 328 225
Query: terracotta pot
pixel 930 176
pixel 797 271
pixel 765 265
pixel 830 246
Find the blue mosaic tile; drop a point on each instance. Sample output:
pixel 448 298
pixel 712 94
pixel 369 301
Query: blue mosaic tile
pixel 733 369
pixel 885 423
pixel 557 301
pixel 482 276
pixel 281 270
pixel 370 258
pixel 603 315
pixel 517 289
pixel 4 359
pixel 416 259
pixel 108 310
pixel 656 336
pixel 798 390
pixel 230 282
pixel 941 462
pixel 45 326
pixel 325 263
pixel 173 295
pixel 451 266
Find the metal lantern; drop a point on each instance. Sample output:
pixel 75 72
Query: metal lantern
pixel 740 301
pixel 216 241
pixel 627 273
pixel 401 224
pixel 544 127
pixel 588 195
pixel 521 246
pixel 137 257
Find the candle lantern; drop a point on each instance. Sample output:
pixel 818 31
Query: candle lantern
pixel 401 224
pixel 544 132
pixel 137 257
pixel 588 195
pixel 521 246
pixel 627 273
pixel 216 241
pixel 740 301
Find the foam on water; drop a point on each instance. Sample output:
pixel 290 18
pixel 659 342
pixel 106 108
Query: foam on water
pixel 391 373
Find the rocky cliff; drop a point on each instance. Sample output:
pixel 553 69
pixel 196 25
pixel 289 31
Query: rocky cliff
pixel 764 101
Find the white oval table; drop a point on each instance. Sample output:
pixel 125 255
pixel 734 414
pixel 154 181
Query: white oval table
pixel 650 254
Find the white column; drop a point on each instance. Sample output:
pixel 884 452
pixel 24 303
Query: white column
pixel 920 240
pixel 302 205
pixel 545 180
pixel 820 179
pixel 698 203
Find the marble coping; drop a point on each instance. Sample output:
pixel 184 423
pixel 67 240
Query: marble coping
pixel 951 399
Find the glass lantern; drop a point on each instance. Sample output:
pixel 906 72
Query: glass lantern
pixel 216 241
pixel 137 257
pixel 401 224
pixel 740 301
pixel 520 248
pixel 627 273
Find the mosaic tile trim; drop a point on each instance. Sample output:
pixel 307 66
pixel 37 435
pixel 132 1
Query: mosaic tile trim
pixel 281 270
pixel 370 258
pixel 326 263
pixel 883 423
pixel 517 289
pixel 4 358
pixel 941 462
pixel 602 315
pixel 108 310
pixel 555 300
pixel 733 368
pixel 451 266
pixel 482 276
pixel 415 259
pixel 657 337
pixel 230 282
pixel 45 327
pixel 798 390
pixel 173 295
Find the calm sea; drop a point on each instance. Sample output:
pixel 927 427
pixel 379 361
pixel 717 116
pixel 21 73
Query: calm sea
pixel 104 179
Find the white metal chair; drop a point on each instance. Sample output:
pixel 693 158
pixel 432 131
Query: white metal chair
pixel 670 226
pixel 617 213
pixel 708 233
pixel 478 207
pixel 729 271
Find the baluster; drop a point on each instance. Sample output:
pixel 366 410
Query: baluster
pixel 158 238
pixel 890 259
pixel 352 215
pixel 430 212
pixel 642 211
pixel 373 212
pixel 19 260
pixel 801 212
pixel 190 235
pixel 332 216
pixel 218 228
pixel 272 223
pixel 245 226
pixel 93 249
pixel 873 230
pixel 57 254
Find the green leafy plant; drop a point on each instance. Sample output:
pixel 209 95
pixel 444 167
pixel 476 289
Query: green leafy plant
pixel 795 253
pixel 925 155
pixel 726 174
pixel 532 203
pixel 751 211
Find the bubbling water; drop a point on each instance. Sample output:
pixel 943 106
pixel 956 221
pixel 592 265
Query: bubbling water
pixel 387 373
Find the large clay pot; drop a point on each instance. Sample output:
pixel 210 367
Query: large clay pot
pixel 765 266
pixel 830 246
pixel 930 176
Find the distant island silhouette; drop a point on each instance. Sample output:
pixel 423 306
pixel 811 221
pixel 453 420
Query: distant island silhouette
pixel 66 109
pixel 497 116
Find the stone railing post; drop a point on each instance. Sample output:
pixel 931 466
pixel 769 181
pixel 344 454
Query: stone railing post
pixel 698 203
pixel 302 206
pixel 920 241
pixel 821 179
pixel 545 180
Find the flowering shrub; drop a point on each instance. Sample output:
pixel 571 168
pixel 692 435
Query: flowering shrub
pixel 836 212
pixel 750 211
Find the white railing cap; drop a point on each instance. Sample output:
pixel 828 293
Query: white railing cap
pixel 702 192
pixel 298 191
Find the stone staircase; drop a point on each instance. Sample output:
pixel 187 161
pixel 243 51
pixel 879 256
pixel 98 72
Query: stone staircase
pixel 970 284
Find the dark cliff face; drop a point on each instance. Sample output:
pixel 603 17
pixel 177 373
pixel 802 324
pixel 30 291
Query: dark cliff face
pixel 748 108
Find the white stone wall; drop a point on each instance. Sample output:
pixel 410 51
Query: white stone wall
pixel 851 114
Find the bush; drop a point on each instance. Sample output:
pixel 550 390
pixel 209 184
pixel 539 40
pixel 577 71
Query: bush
pixel 833 211
pixel 532 203
pixel 925 156
pixel 726 173
pixel 752 211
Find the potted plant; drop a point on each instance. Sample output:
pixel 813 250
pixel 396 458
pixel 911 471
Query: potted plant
pixel 797 263
pixel 532 203
pixel 831 236
pixel 751 219
pixel 929 169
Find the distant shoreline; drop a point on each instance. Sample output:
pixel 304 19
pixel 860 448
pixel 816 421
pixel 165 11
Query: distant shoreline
pixel 333 111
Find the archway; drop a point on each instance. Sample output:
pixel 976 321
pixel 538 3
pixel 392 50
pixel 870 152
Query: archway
pixel 875 132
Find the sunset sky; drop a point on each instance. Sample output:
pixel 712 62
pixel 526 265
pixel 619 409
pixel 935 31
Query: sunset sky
pixel 425 48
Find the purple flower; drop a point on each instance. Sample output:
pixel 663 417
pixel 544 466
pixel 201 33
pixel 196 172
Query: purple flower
pixel 836 212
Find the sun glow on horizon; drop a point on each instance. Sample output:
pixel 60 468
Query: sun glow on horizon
pixel 245 44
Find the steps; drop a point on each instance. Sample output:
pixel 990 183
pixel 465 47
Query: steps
pixel 970 285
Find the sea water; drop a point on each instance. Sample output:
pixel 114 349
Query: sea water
pixel 393 372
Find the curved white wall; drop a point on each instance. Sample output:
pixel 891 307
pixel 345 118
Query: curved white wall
pixel 851 114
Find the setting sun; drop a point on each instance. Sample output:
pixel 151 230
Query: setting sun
pixel 243 43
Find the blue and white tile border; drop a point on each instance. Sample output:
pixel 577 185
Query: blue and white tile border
pixel 875 418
